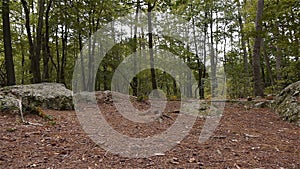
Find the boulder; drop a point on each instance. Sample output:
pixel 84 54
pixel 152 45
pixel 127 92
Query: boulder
pixel 288 103
pixel 8 102
pixel 44 95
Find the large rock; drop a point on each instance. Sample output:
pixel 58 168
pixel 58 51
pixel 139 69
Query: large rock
pixel 8 102
pixel 288 103
pixel 45 95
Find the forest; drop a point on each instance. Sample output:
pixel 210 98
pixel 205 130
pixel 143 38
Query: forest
pixel 256 43
pixel 150 84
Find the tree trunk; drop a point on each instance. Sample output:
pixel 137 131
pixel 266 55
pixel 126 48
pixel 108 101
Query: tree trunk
pixel 268 66
pixel 22 51
pixel 28 30
pixel 198 61
pixel 243 40
pixel 81 57
pixel 258 86
pixel 135 46
pixel 35 47
pixel 64 54
pixel 57 55
pixel 47 56
pixel 153 77
pixel 23 63
pixel 212 58
pixel 278 62
pixel 38 43
pixel 9 62
pixel 204 58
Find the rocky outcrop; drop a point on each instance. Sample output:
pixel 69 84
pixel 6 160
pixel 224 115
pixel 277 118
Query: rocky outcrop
pixel 8 102
pixel 44 95
pixel 288 103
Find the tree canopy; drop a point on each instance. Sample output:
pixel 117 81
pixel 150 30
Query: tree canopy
pixel 47 38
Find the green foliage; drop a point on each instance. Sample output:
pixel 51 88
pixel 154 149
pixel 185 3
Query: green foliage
pixel 237 79
pixel 142 98
pixel 83 18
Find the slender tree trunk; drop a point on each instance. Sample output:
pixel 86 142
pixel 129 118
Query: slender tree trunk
pixel 153 76
pixel 258 86
pixel 81 58
pixel 36 46
pixel 212 58
pixel 267 61
pixel 135 46
pixel 38 43
pixel 47 54
pixel 9 62
pixel 216 38
pixel 94 69
pixel 249 50
pixel 57 55
pixel 204 58
pixel 90 56
pixel 244 48
pixel 22 51
pixel 198 60
pixel 278 48
pixel 105 79
pixel 23 63
pixel 243 40
pixel 278 62
pixel 64 54
pixel 29 35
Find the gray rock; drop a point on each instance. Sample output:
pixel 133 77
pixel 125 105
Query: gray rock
pixel 8 103
pixel 288 103
pixel 45 95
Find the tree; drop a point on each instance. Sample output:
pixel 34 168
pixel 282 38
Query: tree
pixel 9 63
pixel 36 44
pixel 258 86
pixel 153 77
pixel 47 52
pixel 135 46
pixel 69 24
pixel 243 40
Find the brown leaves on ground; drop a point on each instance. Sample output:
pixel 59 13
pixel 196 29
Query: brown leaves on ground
pixel 245 138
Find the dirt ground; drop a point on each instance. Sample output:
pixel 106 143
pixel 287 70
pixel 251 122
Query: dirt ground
pixel 245 138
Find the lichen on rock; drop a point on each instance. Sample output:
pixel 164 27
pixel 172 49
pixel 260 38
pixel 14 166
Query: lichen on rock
pixel 288 103
pixel 45 95
pixel 8 102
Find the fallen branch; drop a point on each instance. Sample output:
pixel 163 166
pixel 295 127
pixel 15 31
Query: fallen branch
pixel 22 116
pixel 33 124
pixel 164 115
pixel 21 111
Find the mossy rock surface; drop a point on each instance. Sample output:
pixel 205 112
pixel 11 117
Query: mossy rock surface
pixel 45 95
pixel 8 102
pixel 288 103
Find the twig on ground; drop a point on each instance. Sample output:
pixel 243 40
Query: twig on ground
pixel 21 111
pixel 164 115
pixel 22 116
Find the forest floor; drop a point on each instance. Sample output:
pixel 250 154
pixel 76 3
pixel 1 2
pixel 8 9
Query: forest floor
pixel 244 138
